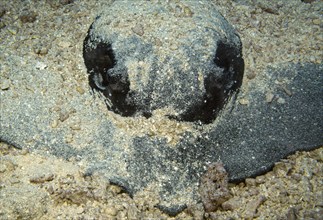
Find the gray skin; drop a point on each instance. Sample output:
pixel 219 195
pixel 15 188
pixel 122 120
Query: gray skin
pixel 248 139
pixel 138 75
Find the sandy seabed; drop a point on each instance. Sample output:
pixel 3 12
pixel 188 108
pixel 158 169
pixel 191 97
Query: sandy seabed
pixel 33 186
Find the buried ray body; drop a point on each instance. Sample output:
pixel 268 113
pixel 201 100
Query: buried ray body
pixel 194 75
pixel 190 71
pixel 175 57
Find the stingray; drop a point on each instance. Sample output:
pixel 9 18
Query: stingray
pixel 172 109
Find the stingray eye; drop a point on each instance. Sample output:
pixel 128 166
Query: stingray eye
pixel 220 83
pixel 98 81
pixel 98 58
pixel 100 61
